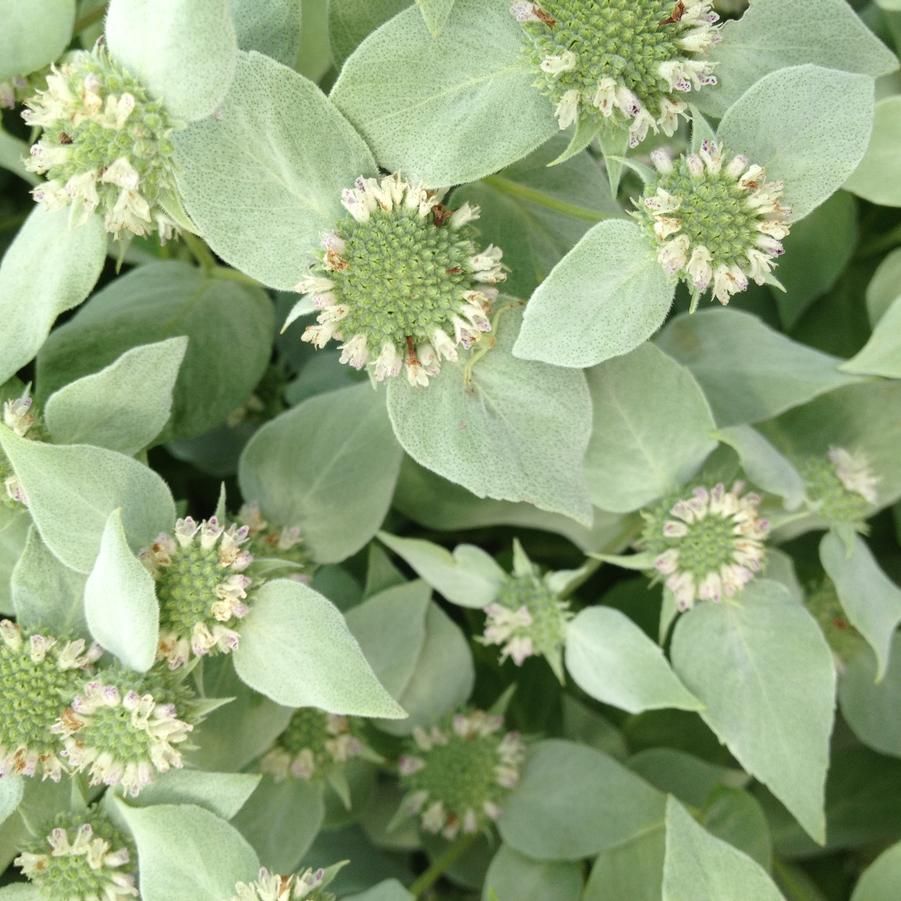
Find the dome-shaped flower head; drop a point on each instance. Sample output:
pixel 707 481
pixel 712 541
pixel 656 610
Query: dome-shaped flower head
pixel 308 885
pixel 709 545
pixel 123 728
pixel 718 223
pixel 841 485
pixel 106 145
pixel 80 857
pixel 401 283
pixel 201 585
pixel 459 773
pixel 269 543
pixel 627 62
pixel 39 675
pixel 19 415
pixel 527 618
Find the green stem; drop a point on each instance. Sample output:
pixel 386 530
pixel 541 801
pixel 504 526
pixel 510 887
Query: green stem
pixel 591 567
pixel 88 19
pixel 508 186
pixel 199 251
pixel 440 866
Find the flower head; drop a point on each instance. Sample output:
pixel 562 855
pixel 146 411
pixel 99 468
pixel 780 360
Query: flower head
pixel 270 543
pixel 527 618
pixel 459 773
pixel 401 282
pixel 20 416
pixel 708 545
pixel 717 222
pixel 38 677
pixel 123 728
pixel 841 485
pixel 620 61
pixel 106 145
pixel 83 857
pixel 313 746
pixel 308 884
pixel 201 586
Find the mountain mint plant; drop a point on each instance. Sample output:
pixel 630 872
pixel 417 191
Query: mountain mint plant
pixel 384 515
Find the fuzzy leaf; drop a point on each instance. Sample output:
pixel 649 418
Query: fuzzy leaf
pixel 124 406
pixel 272 28
pixel 435 13
pixel 882 353
pixel 425 104
pixel 881 878
pixel 33 35
pixel 512 875
pixel 331 454
pixel 806 125
pixel 517 433
pixel 275 159
pixel 184 51
pixel 878 177
pixel 73 489
pixel 55 266
pixel 12 788
pixel 611 659
pixel 223 794
pixel 603 299
pixel 652 429
pixel 120 600
pixel 318 663
pixel 350 21
pixel 769 691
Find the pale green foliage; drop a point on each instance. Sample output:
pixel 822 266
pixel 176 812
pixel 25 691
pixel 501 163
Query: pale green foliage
pixel 876 178
pixel 33 35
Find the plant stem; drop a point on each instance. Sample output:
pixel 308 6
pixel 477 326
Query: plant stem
pixel 88 19
pixel 199 251
pixel 456 850
pixel 508 186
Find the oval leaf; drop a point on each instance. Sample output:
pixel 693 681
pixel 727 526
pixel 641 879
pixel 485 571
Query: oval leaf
pixel 878 177
pixel 33 35
pixel 882 353
pixel 513 875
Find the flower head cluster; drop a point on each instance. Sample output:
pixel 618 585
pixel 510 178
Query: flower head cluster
pixel 269 542
pixel 38 677
pixel 106 145
pixel 314 744
pixel 708 545
pixel 124 729
pixel 273 887
pixel 201 585
pixel 83 858
pixel 621 61
pixel 19 415
pixel 841 485
pixel 459 773
pixel 718 222
pixel 401 282
pixel 527 619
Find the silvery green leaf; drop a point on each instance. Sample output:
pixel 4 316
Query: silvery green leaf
pixel 272 28
pixel 12 788
pixel 13 152
pixel 443 678
pixel 652 429
pixel 381 573
pixel 55 265
pixel 868 596
pixel 599 804
pixel 612 660
pixel 773 34
pixel 45 591
pixel 881 878
pixel 177 845
pixel 350 21
pixel 164 300
pixel 391 630
pixel 124 406
pixel 223 794
pixel 435 13
pixel 426 105
pixel 330 455
pixel 20 891
pixel 72 490
pixel 318 662
pixel 779 567
pixel 748 371
pixel 869 700
pixel 764 465
pixel 699 865
pixel 882 353
pixel 184 51
pixel 468 576
pixel 14 530
pixel 883 287
pixel 33 35
pixel 769 691
pixel 632 870
pixel 275 158
pixel 120 600
pixel 737 817
pixel 604 298
pixel 281 819
pixel 806 125
pixel 388 890
pixel 513 875
pixel 517 432
pixel 689 778
pixel 878 176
